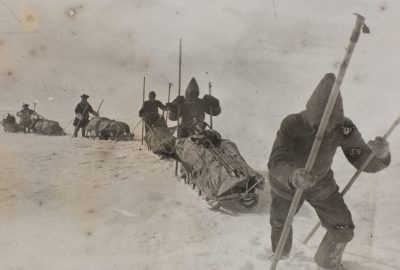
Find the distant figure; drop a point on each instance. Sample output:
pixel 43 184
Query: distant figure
pixel 150 113
pixel 82 111
pixel 25 118
pixel 192 110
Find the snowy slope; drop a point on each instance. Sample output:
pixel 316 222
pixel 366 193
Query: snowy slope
pixel 78 204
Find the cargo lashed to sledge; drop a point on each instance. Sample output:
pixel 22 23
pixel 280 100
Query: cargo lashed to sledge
pixel 219 171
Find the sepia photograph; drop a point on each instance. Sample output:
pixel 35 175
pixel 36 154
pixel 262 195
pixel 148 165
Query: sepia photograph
pixel 199 135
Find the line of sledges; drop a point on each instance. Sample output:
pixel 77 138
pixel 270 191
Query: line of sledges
pixel 32 123
pixel 98 127
pixel 209 163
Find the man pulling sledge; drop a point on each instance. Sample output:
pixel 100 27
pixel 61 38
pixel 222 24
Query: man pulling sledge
pixel 192 109
pixel 286 171
pixel 82 111
pixel 150 113
pixel 25 118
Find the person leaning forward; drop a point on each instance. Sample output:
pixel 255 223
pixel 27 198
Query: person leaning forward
pixel 82 111
pixel 286 164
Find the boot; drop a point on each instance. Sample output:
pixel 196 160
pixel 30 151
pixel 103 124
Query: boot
pixel 76 132
pixel 275 236
pixel 329 253
pixel 83 133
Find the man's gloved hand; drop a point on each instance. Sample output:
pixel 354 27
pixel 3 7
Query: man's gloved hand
pixel 79 116
pixel 211 100
pixel 141 112
pixel 302 180
pixel 379 147
pixel 179 100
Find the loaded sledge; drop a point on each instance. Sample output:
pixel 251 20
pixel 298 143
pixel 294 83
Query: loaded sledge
pixel 38 124
pixel 216 167
pixel 159 138
pixel 9 123
pixel 106 129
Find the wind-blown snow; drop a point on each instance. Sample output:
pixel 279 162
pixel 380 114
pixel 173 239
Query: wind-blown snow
pixel 80 204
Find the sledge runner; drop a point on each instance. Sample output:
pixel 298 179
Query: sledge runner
pixel 82 111
pixel 192 109
pixel 286 172
pixel 25 118
pixel 150 113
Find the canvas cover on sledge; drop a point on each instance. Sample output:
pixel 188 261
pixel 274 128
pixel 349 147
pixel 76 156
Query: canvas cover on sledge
pixel 106 129
pixel 47 127
pixel 160 139
pixel 219 171
pixel 9 123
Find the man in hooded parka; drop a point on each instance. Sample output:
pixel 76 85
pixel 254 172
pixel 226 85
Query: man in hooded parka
pixel 288 158
pixel 192 109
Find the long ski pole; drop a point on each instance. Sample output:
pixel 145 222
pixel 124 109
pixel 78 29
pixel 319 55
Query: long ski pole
pixel 211 117
pixel 360 24
pixel 355 176
pixel 169 96
pixel 179 93
pixel 140 121
pixel 98 109
pixel 144 92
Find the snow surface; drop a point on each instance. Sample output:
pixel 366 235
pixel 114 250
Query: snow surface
pixel 82 204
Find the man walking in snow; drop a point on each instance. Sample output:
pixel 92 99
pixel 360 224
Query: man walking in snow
pixel 82 111
pixel 286 172
pixel 149 111
pixel 25 118
pixel 192 109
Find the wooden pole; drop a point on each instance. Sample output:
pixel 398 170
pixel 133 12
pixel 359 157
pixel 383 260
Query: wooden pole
pixel 179 93
pixel 98 109
pixel 211 112
pixel 318 138
pixel 169 95
pixel 355 176
pixel 144 92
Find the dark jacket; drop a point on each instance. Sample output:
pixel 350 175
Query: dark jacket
pixel 294 141
pixel 150 112
pixel 84 109
pixel 296 136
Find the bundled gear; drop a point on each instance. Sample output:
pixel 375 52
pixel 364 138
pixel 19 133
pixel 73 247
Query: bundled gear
pixel 289 155
pixel 216 167
pixel 44 126
pixel 159 138
pixel 106 129
pixel 192 109
pixel 9 123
